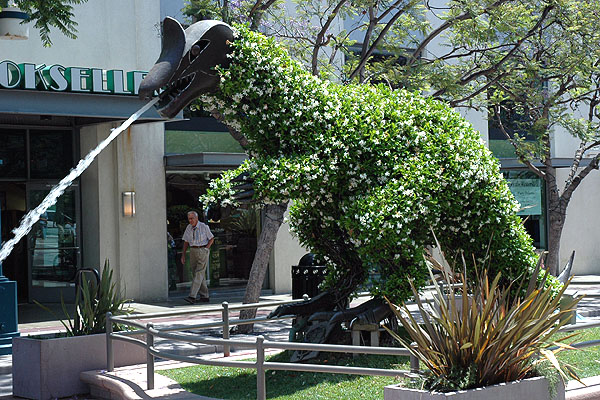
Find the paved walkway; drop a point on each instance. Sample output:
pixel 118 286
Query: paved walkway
pixel 35 321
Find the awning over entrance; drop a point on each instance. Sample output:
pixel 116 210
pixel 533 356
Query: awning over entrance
pixel 198 162
pixel 556 162
pixel 73 105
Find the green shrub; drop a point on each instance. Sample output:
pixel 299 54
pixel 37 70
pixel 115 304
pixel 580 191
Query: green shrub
pixel 370 171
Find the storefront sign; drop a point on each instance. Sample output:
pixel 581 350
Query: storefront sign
pixel 69 79
pixel 528 193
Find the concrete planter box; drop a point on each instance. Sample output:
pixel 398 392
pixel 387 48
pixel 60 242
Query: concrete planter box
pixel 49 368
pixel 530 389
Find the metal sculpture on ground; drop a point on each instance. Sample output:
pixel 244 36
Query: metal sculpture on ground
pixel 372 171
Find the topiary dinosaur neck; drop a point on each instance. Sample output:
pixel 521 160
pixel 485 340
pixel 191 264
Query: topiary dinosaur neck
pixel 266 95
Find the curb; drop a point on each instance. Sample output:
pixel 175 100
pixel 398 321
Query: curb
pixel 583 394
pixel 127 384
pixel 577 391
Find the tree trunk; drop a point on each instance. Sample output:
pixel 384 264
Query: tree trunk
pixel 557 212
pixel 555 227
pixel 266 243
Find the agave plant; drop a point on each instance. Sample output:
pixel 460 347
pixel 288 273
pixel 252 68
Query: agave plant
pixel 482 333
pixel 92 301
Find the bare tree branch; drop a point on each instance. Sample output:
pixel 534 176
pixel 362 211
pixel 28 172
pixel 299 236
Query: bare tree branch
pixel 592 145
pixel 380 37
pixel 570 188
pixel 254 8
pixel 575 165
pixel 447 24
pixel 257 11
pixel 485 72
pixel 319 40
pixel 297 38
pixel 225 11
pixel 522 158
pixel 468 52
pixel 491 82
pixel 583 147
pixel 241 139
pixel 366 40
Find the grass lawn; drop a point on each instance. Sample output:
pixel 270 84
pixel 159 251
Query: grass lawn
pixel 587 360
pixel 237 383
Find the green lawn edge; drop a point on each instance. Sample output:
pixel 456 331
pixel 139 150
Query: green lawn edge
pixel 237 383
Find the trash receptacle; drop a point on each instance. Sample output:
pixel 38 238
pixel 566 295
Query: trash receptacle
pixel 306 277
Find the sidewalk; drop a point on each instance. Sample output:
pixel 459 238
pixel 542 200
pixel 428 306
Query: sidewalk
pixel 588 285
pixel 35 321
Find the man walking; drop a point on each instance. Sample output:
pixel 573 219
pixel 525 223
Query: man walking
pixel 198 238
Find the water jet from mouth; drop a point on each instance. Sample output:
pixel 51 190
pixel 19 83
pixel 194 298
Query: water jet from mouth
pixel 33 216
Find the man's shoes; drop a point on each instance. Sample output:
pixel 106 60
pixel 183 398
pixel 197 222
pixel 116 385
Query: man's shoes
pixel 203 300
pixel 190 300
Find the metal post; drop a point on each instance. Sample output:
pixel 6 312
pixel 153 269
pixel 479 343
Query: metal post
pixel 110 360
pixel 226 347
pixel 149 356
pixel 261 386
pixel 414 361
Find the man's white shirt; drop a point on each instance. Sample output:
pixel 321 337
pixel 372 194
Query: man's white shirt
pixel 198 235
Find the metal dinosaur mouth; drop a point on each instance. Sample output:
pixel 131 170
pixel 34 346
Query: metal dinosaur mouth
pixel 184 69
pixel 173 91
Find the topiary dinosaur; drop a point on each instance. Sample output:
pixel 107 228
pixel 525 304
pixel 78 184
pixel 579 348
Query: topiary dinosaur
pixel 372 171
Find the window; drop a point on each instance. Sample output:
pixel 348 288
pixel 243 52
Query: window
pixel 529 190
pixel 35 154
pixel 12 154
pixel 51 154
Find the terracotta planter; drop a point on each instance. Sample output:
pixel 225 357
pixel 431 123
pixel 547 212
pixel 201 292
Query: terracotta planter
pixel 530 389
pixel 49 368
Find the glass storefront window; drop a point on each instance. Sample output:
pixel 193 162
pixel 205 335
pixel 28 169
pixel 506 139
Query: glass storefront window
pixel 235 230
pixel 186 142
pixel 31 162
pixel 529 190
pixel 199 135
pixel 53 241
pixel 515 123
pixel 12 154
pixel 51 154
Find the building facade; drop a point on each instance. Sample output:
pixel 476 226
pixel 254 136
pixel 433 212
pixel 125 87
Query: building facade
pixel 58 103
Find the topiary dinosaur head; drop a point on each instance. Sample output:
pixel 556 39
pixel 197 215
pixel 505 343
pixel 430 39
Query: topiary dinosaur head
pixel 185 68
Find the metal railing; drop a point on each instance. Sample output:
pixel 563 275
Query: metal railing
pixel 260 345
pixel 225 322
pixel 578 327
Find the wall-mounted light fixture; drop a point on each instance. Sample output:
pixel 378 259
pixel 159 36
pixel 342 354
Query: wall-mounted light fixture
pixel 128 204
pixel 11 26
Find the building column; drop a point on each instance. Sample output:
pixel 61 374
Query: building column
pixel 136 246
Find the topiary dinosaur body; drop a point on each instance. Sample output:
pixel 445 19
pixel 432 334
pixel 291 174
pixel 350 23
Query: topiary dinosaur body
pixel 372 172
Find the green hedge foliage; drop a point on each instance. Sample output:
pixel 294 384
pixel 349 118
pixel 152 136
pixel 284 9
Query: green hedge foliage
pixel 372 172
